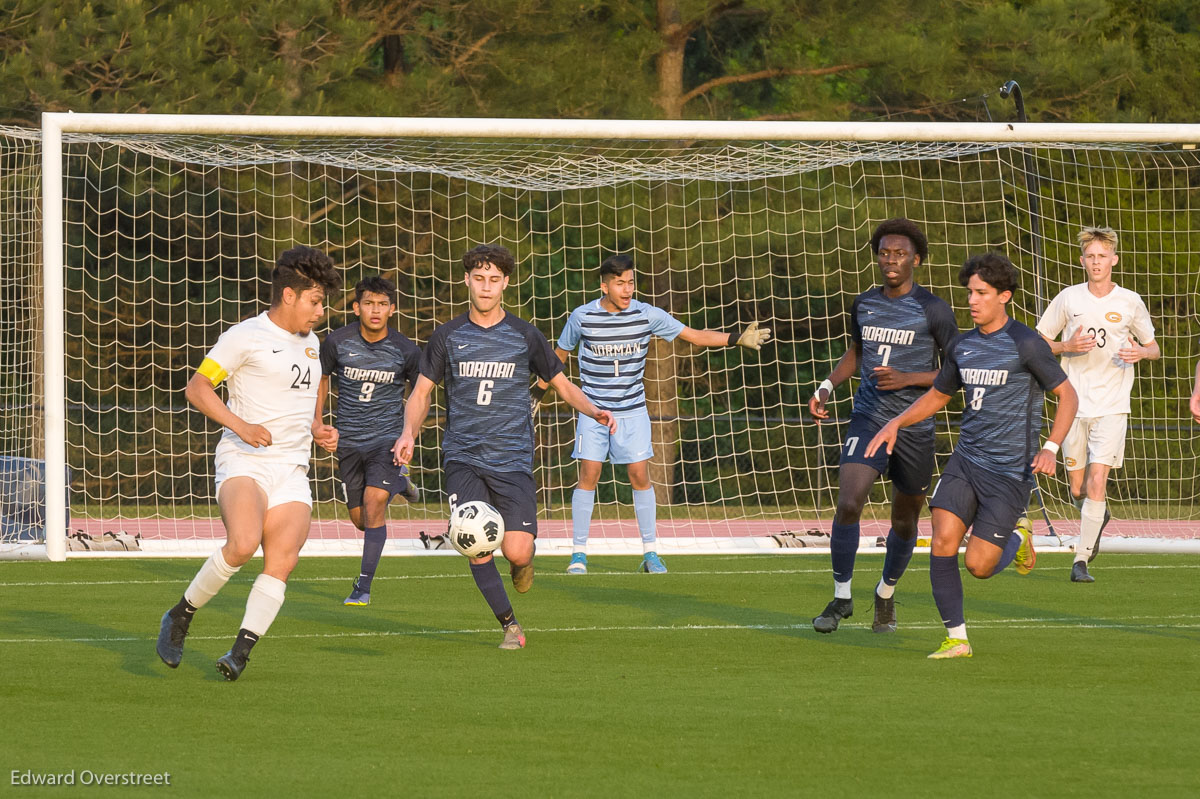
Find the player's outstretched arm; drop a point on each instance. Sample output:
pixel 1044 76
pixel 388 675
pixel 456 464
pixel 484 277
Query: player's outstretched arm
pixel 575 397
pixel 1046 460
pixel 538 391
pixel 926 405
pixel 752 337
pixel 326 435
pixel 202 394
pixel 845 367
pixel 415 411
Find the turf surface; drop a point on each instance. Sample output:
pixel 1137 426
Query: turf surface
pixel 708 681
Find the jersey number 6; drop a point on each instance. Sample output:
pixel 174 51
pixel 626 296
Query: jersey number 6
pixel 485 392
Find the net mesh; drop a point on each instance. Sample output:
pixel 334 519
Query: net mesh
pixel 169 240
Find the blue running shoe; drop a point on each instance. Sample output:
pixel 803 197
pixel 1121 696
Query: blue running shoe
pixel 653 564
pixel 578 564
pixel 358 597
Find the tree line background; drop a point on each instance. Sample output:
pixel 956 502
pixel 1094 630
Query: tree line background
pixel 1080 61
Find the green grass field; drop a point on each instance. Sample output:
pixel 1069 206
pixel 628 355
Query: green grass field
pixel 708 681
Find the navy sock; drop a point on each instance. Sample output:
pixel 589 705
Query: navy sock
pixel 843 546
pixel 183 611
pixel 373 540
pixel 946 581
pixel 487 577
pixel 244 642
pixel 1009 553
pixel 899 553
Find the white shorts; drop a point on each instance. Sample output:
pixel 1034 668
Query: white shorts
pixel 281 481
pixel 630 444
pixel 1096 439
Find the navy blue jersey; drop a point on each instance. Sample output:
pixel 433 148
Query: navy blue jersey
pixel 1003 376
pixel 487 373
pixel 907 333
pixel 370 378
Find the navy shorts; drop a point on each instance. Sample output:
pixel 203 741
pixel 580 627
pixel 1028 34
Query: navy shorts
pixel 514 494
pixel 987 502
pixel 369 465
pixel 909 467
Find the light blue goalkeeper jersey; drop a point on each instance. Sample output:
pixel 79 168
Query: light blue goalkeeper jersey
pixel 613 349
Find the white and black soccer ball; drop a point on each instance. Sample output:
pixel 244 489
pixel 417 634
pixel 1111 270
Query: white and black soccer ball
pixel 476 529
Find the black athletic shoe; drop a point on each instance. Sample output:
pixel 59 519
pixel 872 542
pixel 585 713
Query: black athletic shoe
pixel 833 613
pixel 170 640
pixel 231 665
pixel 1079 573
pixel 885 615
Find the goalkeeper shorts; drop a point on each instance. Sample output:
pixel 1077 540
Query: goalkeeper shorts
pixel 630 444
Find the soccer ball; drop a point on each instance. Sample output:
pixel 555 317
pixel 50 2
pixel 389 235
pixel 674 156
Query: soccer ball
pixel 476 529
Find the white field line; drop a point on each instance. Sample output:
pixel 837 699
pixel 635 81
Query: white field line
pixel 1174 622
pixel 541 575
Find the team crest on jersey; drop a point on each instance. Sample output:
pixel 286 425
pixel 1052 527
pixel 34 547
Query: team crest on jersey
pixel 1113 317
pixel 310 352
pixel 1071 463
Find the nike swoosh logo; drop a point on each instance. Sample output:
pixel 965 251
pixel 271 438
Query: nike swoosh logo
pixel 526 524
pixel 1076 314
pixel 277 351
pixel 385 482
pixel 463 346
pixel 968 352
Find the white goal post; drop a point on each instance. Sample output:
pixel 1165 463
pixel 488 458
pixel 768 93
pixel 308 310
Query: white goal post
pixel 790 203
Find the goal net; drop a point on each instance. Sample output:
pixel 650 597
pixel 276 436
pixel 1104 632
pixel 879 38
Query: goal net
pixel 167 238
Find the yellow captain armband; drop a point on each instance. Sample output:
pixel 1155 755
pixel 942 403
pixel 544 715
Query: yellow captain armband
pixel 213 371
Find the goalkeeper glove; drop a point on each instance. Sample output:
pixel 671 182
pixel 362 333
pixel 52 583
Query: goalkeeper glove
pixel 752 338
pixel 535 398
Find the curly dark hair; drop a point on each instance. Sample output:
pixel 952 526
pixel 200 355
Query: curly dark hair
pixel 901 227
pixel 377 284
pixel 994 269
pixel 302 268
pixel 493 254
pixel 615 266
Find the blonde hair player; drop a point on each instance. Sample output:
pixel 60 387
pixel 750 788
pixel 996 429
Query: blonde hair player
pixel 270 364
pixel 1105 330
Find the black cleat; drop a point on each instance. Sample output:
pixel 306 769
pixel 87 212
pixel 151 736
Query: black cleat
pixel 885 615
pixel 170 640
pixel 1079 573
pixel 833 613
pixel 231 665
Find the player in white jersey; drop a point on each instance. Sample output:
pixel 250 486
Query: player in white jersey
pixel 1105 330
pixel 271 366
pixel 613 335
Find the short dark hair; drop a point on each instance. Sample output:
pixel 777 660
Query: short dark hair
pixel 901 227
pixel 994 269
pixel 493 254
pixel 377 284
pixel 302 268
pixel 615 266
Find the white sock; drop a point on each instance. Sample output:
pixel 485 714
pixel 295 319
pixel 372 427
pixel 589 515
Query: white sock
pixel 1091 517
pixel 841 590
pixel 958 631
pixel 884 590
pixel 266 597
pixel 209 580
